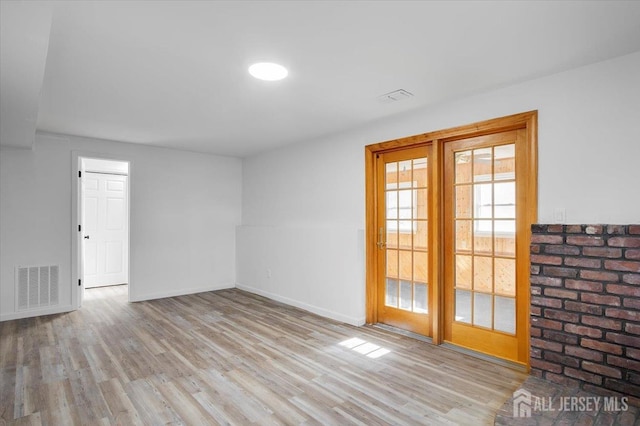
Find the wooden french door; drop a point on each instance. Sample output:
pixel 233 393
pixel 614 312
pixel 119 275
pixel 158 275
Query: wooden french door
pixel 403 239
pixel 448 233
pixel 486 221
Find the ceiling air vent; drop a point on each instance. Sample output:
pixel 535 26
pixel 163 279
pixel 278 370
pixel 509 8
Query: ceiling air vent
pixel 396 95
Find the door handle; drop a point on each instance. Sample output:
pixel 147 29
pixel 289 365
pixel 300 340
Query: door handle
pixel 381 243
pixel 86 237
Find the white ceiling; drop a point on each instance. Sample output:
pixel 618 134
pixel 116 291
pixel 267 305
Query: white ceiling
pixel 174 73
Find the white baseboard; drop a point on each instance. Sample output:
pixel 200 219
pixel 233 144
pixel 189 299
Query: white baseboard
pixel 36 312
pixel 311 308
pixel 179 292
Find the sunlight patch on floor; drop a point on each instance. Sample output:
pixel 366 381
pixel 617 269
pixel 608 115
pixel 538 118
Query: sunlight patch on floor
pixel 363 347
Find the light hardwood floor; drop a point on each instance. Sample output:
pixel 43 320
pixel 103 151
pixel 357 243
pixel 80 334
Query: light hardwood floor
pixel 231 357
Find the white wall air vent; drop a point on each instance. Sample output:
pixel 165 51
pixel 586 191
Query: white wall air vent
pixel 396 95
pixel 36 286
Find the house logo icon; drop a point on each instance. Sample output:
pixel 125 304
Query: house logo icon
pixel 521 403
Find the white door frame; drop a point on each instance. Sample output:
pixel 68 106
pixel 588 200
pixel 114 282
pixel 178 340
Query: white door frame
pixel 77 290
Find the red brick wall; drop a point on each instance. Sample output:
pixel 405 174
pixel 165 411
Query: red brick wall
pixel 585 306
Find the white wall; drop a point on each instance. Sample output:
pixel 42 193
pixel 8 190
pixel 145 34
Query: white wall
pixel 184 211
pixel 303 205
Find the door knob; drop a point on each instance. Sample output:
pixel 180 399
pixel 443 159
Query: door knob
pixel 86 237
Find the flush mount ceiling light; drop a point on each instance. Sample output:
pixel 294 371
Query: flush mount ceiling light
pixel 268 71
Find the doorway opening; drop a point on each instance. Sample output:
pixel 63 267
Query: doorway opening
pixel 449 217
pixel 103 211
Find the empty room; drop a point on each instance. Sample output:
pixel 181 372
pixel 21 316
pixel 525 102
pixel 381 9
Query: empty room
pixel 319 212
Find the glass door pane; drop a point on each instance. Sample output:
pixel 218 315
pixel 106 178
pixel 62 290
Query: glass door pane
pixel 484 235
pixel 406 217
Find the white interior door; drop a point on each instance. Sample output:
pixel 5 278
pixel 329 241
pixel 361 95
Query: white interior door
pixel 104 229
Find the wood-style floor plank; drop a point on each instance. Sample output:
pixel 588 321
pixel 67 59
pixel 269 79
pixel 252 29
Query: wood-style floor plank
pixel 231 357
